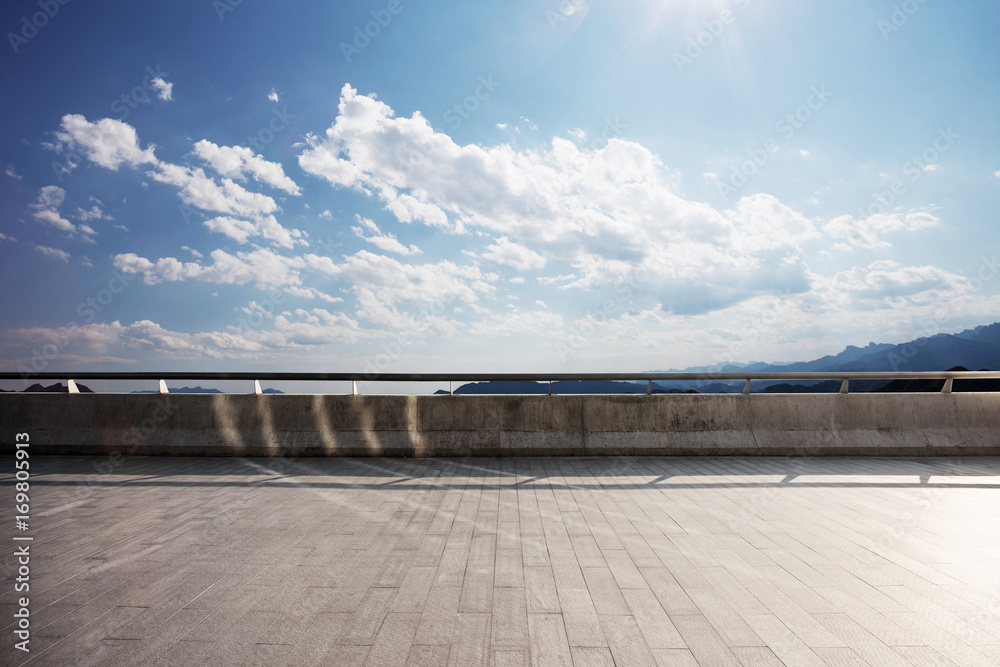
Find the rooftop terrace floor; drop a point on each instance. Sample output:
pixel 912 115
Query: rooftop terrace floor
pixel 542 561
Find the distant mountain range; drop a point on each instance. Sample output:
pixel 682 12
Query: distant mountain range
pixel 56 388
pixel 977 349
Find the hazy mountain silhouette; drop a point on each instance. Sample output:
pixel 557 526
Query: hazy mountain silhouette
pixel 58 387
pixel 973 348
pixel 199 390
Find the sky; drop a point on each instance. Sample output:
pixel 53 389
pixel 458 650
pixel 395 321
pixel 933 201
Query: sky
pixel 530 185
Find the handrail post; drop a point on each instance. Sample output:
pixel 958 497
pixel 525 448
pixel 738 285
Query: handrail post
pixel 843 386
pixel 550 387
pixel 354 387
pixel 163 387
pixel 71 386
pixel 451 388
pixel 256 387
pixel 746 387
pixel 649 388
pixel 946 389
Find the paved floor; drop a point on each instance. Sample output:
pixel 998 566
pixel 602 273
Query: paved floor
pixel 612 561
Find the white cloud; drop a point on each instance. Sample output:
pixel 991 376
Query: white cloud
pixel 392 282
pixel 53 253
pixel 108 142
pixel 238 161
pixel 164 90
pixel 95 213
pixel 111 143
pixel 866 233
pixel 50 198
pixel 192 251
pixel 386 242
pixel 931 167
pixel 603 211
pixel 886 283
pixel 326 214
pixel 512 254
pixel 200 191
pixel 13 173
pixel 299 332
pixel 803 152
pixel 267 227
pixel 7 237
pixel 273 95
pixel 264 267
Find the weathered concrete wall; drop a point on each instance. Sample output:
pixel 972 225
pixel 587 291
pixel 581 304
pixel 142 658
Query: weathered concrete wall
pixel 957 424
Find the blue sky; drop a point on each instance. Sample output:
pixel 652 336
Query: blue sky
pixel 511 186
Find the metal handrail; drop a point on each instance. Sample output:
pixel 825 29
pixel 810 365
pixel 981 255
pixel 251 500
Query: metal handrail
pixel 354 378
pixel 496 377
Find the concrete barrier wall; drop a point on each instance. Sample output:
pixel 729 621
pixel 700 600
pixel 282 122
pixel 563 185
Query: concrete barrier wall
pixel 956 424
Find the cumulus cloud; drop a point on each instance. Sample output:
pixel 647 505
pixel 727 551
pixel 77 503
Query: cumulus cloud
pixel 164 90
pixel 273 95
pixel 888 280
pixel 245 215
pixel 46 210
pixel 237 162
pixel 198 190
pixel 262 266
pixel 93 213
pixel 108 142
pixel 504 251
pixel 866 233
pixel 386 242
pixel 603 211
pixel 267 227
pixel 53 253
pixel 298 332
pixel 391 282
